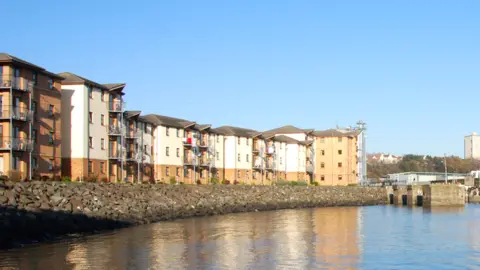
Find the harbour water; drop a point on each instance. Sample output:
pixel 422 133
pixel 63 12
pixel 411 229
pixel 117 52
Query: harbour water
pixel 376 237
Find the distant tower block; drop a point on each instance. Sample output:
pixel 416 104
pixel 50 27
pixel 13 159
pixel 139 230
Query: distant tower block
pixel 472 146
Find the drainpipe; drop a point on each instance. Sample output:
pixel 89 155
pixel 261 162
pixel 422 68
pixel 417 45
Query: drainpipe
pixel 223 158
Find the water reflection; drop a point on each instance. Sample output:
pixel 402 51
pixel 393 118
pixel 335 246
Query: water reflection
pixel 326 238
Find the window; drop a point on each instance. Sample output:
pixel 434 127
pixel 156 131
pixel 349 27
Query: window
pixel 167 171
pixel 102 95
pixel 50 83
pixel 339 164
pixel 145 126
pixel 167 131
pixel 247 175
pixel 102 144
pixel 247 142
pixel 185 172
pixel 238 157
pixel 322 152
pixel 50 137
pixel 178 152
pixel 90 117
pixel 51 164
pixel 239 174
pixel 340 177
pixel 218 139
pixel 145 149
pixel 16 163
pixel 34 78
pixel 167 151
pixel 34 163
pixel 102 120
pixel 34 108
pixel 34 135
pixel 322 165
pixel 247 158
pixel 201 174
pixel 239 140
pixel 339 152
pixel 339 139
pixel 281 145
pixel 90 92
pixel 254 175
pixel 281 161
pixel 90 142
pixel 51 110
pixel 178 172
pixel 178 133
pixel 217 155
pixel 322 177
pixel 322 140
pixel 90 167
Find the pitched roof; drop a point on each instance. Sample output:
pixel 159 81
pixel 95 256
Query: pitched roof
pixel 71 78
pixel 288 129
pixel 202 127
pixel 130 114
pixel 286 139
pixel 168 121
pixel 236 131
pixel 334 133
pixel 5 57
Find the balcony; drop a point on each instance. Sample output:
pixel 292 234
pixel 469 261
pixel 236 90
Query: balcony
pixel 16 83
pixel 269 166
pixel 16 113
pixel 134 156
pixel 309 168
pixel 115 130
pixel 203 162
pixel 115 154
pixel 133 134
pixel 188 161
pixel 16 144
pixel 116 106
pixel 202 143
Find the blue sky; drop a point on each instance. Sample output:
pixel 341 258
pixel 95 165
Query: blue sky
pixel 410 69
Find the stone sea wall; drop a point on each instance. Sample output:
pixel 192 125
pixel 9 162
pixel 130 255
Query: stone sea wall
pixel 38 211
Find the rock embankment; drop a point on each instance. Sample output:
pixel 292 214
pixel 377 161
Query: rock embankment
pixel 37 211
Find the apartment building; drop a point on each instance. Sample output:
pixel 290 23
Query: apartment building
pixel 299 153
pixel 93 128
pixel 184 151
pixel 336 157
pixel 30 101
pixel 238 154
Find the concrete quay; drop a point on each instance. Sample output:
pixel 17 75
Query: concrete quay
pixel 428 195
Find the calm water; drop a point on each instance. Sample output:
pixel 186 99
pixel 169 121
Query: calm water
pixel 379 237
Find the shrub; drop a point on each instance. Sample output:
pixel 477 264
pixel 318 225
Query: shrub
pixel 91 178
pixel 173 181
pixel 226 182
pixel 302 183
pixel 199 182
pixel 293 183
pixel 57 178
pixel 236 182
pixel 45 178
pixel 36 177
pixel 315 183
pixel 181 183
pixel 104 179
pixel 15 176
pixel 352 185
pixel 282 182
pixel 214 181
pixel 3 178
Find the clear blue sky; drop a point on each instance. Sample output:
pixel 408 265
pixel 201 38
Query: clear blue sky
pixel 410 69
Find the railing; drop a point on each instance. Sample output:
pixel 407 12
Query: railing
pixel 17 83
pixel 134 156
pixel 202 143
pixel 133 134
pixel 16 113
pixel 115 154
pixel 115 130
pixel 16 144
pixel 269 165
pixel 116 106
pixel 203 162
pixel 188 160
pixel 309 168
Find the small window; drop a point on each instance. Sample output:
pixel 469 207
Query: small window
pixel 167 171
pixel 51 110
pixel 90 117
pixel 185 172
pixel 322 152
pixel 340 177
pixel 218 139
pixel 339 152
pixel 322 165
pixel 238 157
pixel 178 172
pixel 178 152
pixel 145 126
pixel 51 164
pixel 50 83
pixel 218 156
pixel 90 167
pixel 254 175
pixel 339 164
pixel 247 158
pixel 178 133
pixel 239 174
pixel 247 141
pixel 281 161
pixel 167 151
pixel 145 149
pixel 34 78
pixel 90 142
pixel 50 137
pixel 322 177
pixel 102 95
pixel 102 167
pixel 34 135
pixel 239 140
pixel 102 144
pixel 167 131
pixel 281 145
pixel 102 120
pixel 340 139
pixel 322 140
pixel 16 163
pixel 34 163
pixel 34 108
pixel 90 92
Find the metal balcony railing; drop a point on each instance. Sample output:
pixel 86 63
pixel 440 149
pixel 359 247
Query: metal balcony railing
pixel 116 106
pixel 133 134
pixel 133 156
pixel 16 144
pixel 269 165
pixel 309 168
pixel 115 154
pixel 188 161
pixel 15 113
pixel 202 143
pixel 115 130
pixel 17 83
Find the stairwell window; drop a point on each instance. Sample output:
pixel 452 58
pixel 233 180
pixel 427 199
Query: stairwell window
pixel 340 177
pixel 102 144
pixel 90 142
pixel 238 158
pixel 340 139
pixel 50 83
pixel 322 152
pixel 339 152
pixel 322 165
pixel 239 139
pixel 34 163
pixel 217 155
pixel 247 158
pixel 178 152
pixel 34 135
pixel 102 120
pixel 247 142
pixel 34 78
pixel 90 92
pixel 90 167
pixel 339 164
pixel 102 167
pixel 51 137
pixel 178 133
pixel 34 108
pixel 218 139
pixel 90 117
pixel 167 171
pixel 102 95
pixel 51 110
pixel 281 160
pixel 322 177
pixel 167 151
pixel 167 131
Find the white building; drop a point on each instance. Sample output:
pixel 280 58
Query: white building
pixel 472 146
pixel 410 178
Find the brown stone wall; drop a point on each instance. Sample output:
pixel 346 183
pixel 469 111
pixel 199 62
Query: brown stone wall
pixel 443 195
pixel 76 168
